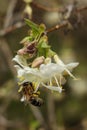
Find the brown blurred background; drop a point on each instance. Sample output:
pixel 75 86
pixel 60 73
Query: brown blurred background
pixel 66 111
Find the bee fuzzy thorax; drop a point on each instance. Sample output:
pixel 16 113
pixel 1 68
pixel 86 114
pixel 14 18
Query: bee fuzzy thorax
pixel 29 95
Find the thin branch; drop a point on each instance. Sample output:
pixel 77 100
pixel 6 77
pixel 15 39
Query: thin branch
pixel 45 8
pixel 54 9
pixel 57 27
pixel 21 24
pixel 8 55
pixel 82 9
pixel 11 28
pixel 9 14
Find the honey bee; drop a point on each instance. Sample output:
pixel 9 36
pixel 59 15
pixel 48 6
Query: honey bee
pixel 30 95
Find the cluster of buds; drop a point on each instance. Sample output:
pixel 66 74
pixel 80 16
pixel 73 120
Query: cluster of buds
pixel 39 65
pixel 28 49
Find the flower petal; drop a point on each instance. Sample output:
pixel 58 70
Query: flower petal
pixel 71 66
pixel 54 88
pixel 50 69
pixel 20 60
pixel 20 71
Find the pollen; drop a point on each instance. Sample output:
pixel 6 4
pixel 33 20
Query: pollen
pixel 21 78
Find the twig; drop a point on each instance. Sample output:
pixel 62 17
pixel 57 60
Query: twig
pixel 54 9
pixel 21 24
pixel 57 27
pixel 46 8
pixel 82 9
pixel 11 28
pixel 9 14
pixel 8 55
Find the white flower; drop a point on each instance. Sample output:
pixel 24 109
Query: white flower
pixel 49 75
pixel 68 68
pixel 41 75
pixel 20 60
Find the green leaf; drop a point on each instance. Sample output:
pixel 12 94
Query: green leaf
pixel 24 39
pixel 42 49
pixel 32 25
pixel 36 29
pixel 44 45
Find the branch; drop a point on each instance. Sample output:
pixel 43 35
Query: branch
pixel 82 9
pixel 11 28
pixel 57 27
pixel 9 14
pixel 45 8
pixel 50 9
pixel 21 24
pixel 64 24
pixel 8 55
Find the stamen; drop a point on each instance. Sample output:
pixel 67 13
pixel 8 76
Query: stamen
pixel 56 81
pixel 37 87
pixel 50 82
pixel 60 79
pixel 70 74
pixel 59 89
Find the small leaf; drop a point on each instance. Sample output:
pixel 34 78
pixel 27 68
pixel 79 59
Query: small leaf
pixel 42 49
pixel 24 40
pixel 44 45
pixel 37 30
pixel 32 25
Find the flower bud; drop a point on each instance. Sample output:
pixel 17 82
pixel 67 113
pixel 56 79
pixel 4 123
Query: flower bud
pixel 31 48
pixel 47 60
pixel 38 61
pixel 21 51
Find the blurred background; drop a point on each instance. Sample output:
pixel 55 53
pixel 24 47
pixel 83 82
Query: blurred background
pixel 66 111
